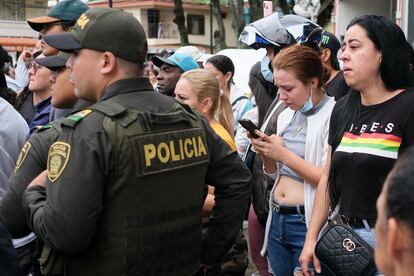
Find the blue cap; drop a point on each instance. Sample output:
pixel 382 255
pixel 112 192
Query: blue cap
pixel 183 61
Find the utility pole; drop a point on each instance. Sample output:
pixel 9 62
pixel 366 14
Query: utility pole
pixel 211 27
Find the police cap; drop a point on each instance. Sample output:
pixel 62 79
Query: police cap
pixel 105 30
pixel 54 63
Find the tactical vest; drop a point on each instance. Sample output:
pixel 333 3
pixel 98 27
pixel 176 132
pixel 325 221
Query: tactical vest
pixel 152 204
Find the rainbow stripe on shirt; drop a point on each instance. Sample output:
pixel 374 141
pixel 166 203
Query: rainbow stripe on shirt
pixel 385 145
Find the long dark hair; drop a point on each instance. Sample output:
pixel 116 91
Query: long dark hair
pixel 6 93
pixel 396 71
pixel 223 64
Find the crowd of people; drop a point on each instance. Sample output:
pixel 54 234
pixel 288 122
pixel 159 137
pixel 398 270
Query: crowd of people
pixel 116 164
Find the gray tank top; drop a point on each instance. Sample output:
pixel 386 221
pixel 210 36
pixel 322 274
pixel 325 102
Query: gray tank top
pixel 295 137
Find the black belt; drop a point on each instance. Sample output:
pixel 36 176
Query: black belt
pixel 288 209
pixel 358 222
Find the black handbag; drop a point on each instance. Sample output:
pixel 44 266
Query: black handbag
pixel 343 252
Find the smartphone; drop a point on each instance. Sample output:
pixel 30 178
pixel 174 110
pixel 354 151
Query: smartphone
pixel 249 126
pixel 267 8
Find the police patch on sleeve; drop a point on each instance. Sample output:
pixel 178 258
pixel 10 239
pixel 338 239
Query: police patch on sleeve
pixel 22 155
pixel 164 151
pixel 57 160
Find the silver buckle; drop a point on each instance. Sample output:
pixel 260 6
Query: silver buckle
pixel 276 207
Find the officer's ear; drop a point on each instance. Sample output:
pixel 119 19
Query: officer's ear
pixel 109 62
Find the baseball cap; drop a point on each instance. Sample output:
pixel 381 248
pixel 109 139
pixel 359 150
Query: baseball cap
pixel 105 30
pixel 331 42
pixel 66 10
pixel 54 62
pixel 192 51
pixel 183 61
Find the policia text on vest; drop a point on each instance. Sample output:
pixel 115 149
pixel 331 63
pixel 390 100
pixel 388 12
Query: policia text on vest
pixel 170 150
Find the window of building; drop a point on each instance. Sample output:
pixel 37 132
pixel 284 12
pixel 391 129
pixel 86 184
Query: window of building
pixel 195 24
pixel 153 20
pixel 12 10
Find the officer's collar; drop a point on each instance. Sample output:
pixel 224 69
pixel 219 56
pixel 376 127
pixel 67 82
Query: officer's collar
pixel 126 86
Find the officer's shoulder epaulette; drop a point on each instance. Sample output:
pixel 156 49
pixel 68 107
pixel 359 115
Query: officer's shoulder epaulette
pixel 74 119
pixel 42 127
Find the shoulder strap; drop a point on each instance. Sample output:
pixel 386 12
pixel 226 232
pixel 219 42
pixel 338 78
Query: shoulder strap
pixel 116 111
pixel 74 119
pixel 239 99
pixel 109 108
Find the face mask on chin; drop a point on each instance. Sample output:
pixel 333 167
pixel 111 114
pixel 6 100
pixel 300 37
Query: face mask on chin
pixel 265 70
pixel 308 104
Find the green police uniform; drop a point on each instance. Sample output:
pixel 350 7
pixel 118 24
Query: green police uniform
pixel 126 180
pixel 125 187
pixel 30 163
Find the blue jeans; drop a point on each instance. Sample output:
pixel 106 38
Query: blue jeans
pixel 366 235
pixel 286 239
pixel 369 237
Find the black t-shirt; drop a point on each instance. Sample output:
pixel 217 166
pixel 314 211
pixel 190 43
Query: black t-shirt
pixel 337 87
pixel 368 150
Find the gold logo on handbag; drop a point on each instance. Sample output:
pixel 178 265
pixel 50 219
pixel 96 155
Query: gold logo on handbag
pixel 348 245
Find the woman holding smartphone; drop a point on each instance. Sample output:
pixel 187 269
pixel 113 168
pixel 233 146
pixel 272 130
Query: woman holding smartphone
pixel 296 154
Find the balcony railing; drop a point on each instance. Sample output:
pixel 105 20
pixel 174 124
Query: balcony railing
pixel 16 29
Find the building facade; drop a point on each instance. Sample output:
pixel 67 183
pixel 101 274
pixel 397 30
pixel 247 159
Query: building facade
pixel 400 11
pixel 156 16
pixel 15 33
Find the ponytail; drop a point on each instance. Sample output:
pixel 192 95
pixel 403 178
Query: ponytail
pixel 225 114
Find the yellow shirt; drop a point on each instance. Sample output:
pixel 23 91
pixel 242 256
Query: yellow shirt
pixel 222 132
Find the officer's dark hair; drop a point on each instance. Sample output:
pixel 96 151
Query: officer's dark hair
pixel 396 71
pixel 131 68
pixel 223 64
pixel 400 191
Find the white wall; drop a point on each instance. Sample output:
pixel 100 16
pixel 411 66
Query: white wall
pixel 348 9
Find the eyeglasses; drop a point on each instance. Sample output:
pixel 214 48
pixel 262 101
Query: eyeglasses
pixel 64 24
pixel 34 66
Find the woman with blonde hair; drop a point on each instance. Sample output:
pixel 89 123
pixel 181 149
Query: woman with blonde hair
pixel 200 90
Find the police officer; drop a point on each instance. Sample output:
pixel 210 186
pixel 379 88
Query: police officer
pixel 124 188
pixel 32 161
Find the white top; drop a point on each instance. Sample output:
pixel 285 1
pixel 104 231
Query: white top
pixel 13 130
pixel 239 106
pixel 316 150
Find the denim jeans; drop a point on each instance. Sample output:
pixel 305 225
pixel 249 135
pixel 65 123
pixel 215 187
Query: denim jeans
pixel 286 239
pixel 369 236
